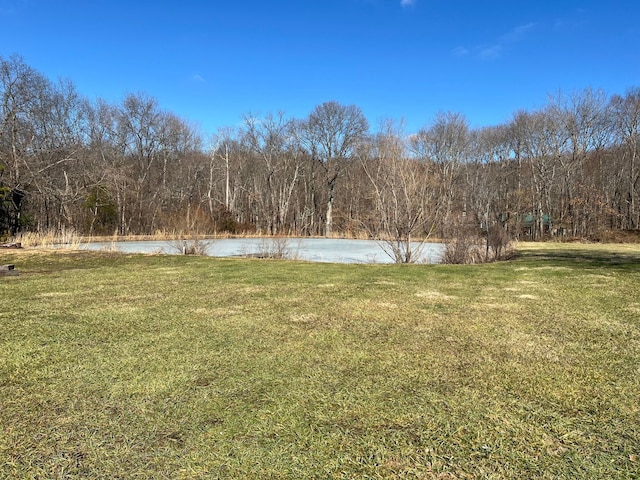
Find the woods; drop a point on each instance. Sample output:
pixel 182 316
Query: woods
pixel 567 169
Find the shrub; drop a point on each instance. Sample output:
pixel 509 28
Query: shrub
pixel 277 248
pixel 191 246
pixel 467 247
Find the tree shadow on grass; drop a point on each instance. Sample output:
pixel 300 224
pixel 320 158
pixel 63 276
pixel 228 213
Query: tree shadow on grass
pixel 592 255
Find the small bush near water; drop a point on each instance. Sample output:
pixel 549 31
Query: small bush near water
pixel 276 248
pixel 191 246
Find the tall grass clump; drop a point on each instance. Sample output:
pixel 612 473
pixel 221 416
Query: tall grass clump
pixel 64 238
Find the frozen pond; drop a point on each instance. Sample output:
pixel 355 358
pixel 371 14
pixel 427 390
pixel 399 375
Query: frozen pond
pixel 310 249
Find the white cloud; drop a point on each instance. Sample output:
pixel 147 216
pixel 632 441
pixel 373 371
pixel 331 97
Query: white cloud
pixel 497 49
pixel 198 78
pixel 407 3
pixel 490 53
pixel 460 51
pixel 580 18
pixel 518 33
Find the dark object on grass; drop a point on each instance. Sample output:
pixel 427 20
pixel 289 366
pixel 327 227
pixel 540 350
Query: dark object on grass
pixel 8 271
pixel 11 245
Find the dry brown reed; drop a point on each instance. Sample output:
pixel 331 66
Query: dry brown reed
pixel 65 238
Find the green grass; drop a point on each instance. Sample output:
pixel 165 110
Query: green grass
pixel 133 366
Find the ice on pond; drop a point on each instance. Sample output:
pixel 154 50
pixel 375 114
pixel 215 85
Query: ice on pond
pixel 331 250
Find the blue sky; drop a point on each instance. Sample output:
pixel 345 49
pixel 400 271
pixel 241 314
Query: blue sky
pixel 211 62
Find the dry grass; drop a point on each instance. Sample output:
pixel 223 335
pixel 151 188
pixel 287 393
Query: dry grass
pixel 67 238
pixel 125 366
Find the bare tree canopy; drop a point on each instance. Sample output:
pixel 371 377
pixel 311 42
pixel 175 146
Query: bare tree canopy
pixel 404 190
pixel 569 168
pixel 332 134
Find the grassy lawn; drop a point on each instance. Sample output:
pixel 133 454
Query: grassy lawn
pixel 134 366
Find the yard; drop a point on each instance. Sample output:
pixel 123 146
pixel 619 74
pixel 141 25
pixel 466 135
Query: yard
pixel 152 366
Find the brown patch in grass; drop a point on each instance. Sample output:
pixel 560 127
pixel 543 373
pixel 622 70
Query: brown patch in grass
pixel 435 295
pixel 634 307
pixel 53 294
pixel 304 318
pixel 387 305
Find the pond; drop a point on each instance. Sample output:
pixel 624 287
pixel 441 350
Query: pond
pixel 332 250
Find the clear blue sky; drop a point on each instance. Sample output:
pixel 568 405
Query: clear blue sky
pixel 210 62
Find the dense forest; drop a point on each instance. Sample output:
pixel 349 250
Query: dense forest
pixel 569 169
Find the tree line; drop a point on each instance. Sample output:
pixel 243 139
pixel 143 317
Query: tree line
pixel 570 168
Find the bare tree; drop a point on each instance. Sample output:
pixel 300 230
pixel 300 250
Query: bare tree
pixel 626 120
pixel 20 88
pixel 402 190
pixel 445 143
pixel 272 141
pixel 544 142
pixel 110 174
pixel 40 138
pixel 583 119
pixel 332 134
pixel 153 141
pixel 223 143
pixel 491 189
